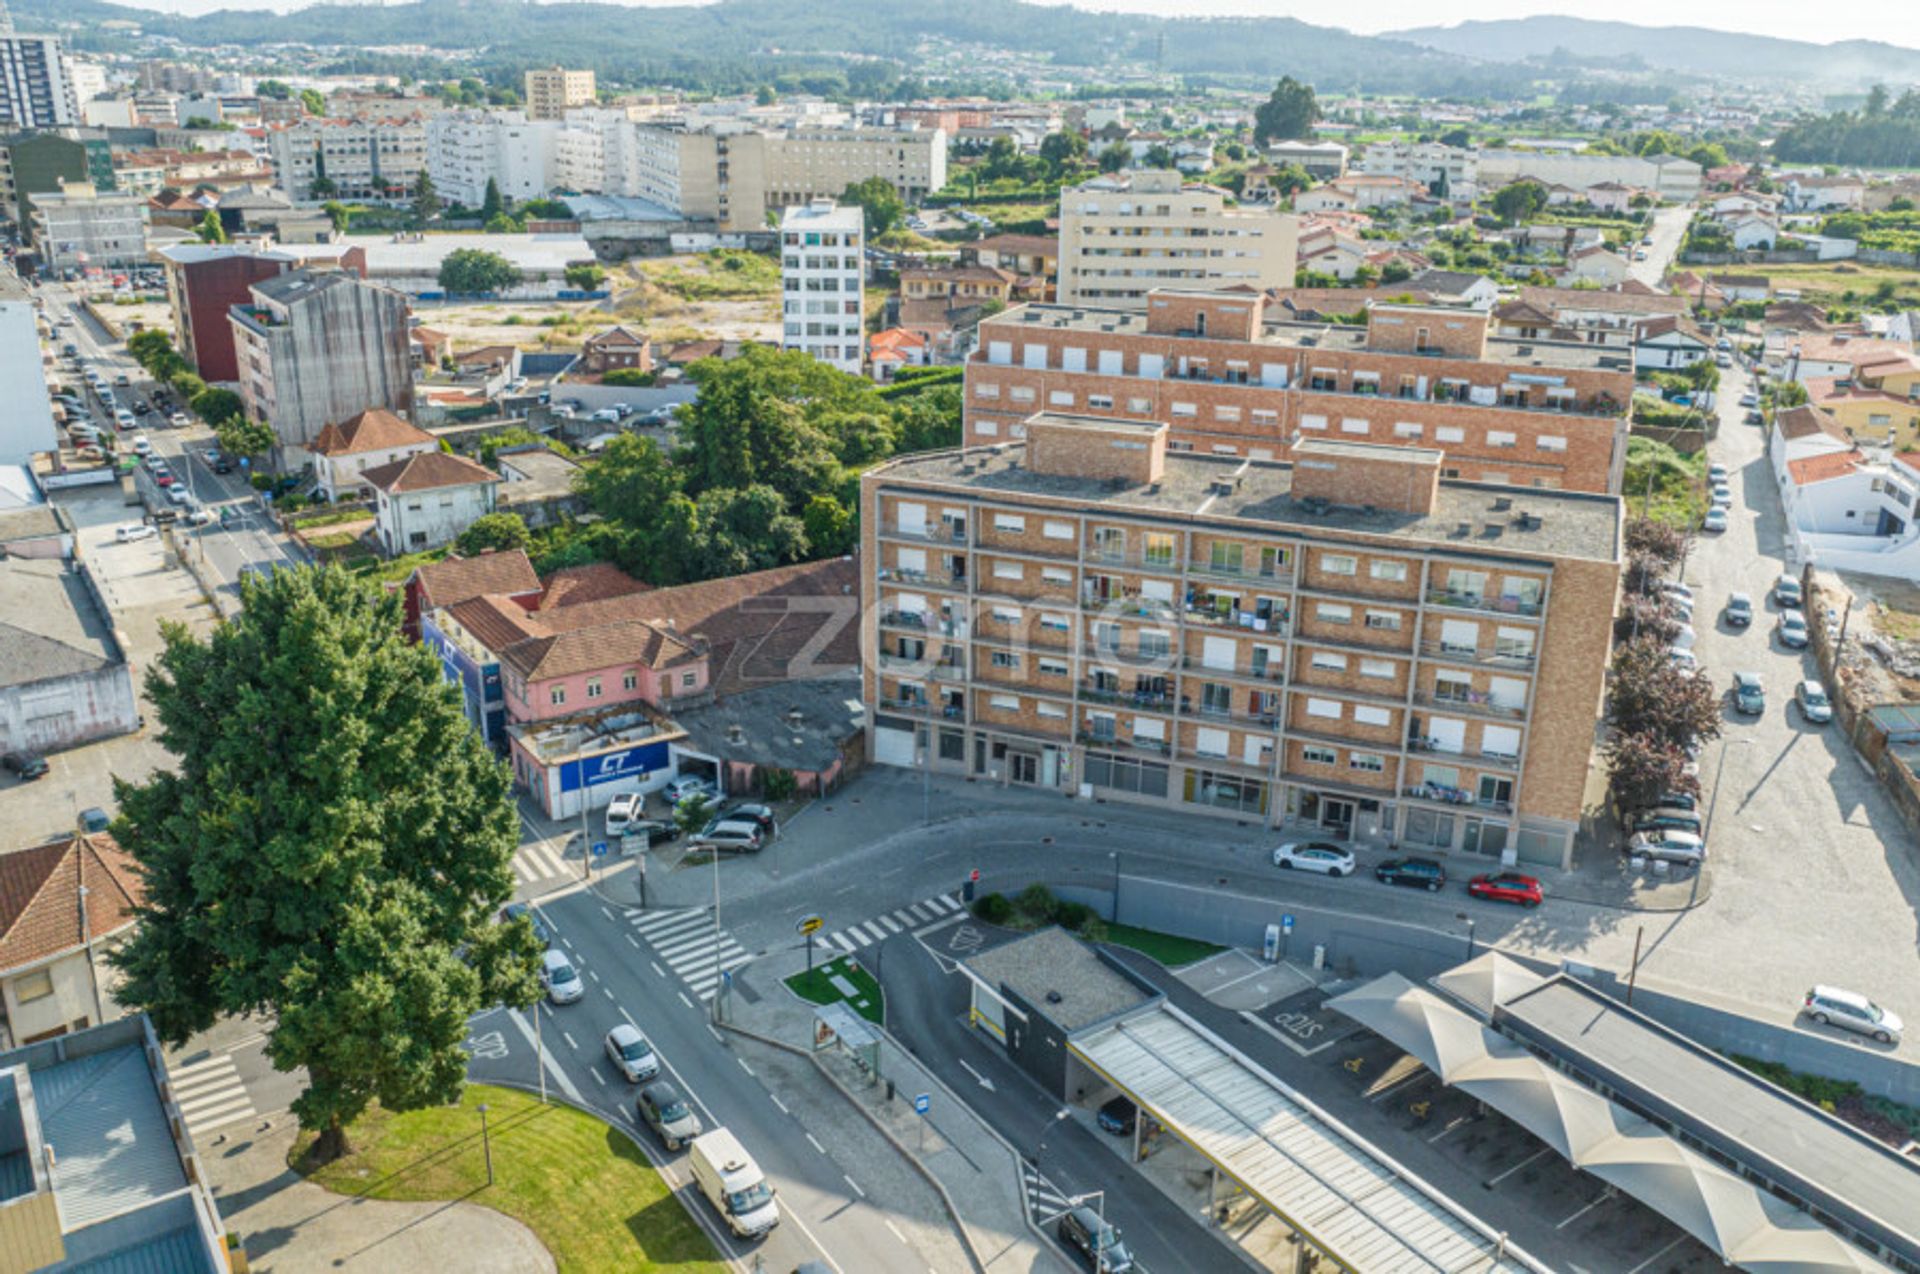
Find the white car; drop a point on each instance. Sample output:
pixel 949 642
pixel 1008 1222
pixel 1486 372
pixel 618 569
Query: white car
pixel 560 978
pixel 1322 856
pixel 1716 520
pixel 1684 639
pixel 179 420
pixel 624 811
pixel 1829 1005
pixel 606 414
pixel 1674 588
pixel 1682 658
pixel 1722 498
pixel 630 1054
pixel 134 531
pixel 681 788
pixel 177 495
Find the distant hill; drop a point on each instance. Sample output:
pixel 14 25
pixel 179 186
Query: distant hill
pixel 1853 63
pixel 681 42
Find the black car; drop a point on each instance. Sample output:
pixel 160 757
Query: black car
pixel 1416 873
pixel 742 812
pixel 1118 1117
pixel 1094 1241
pixel 25 764
pixel 656 832
pixel 514 910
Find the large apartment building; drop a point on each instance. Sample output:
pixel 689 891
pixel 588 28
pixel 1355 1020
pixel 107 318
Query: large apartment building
pixel 80 227
pixel 1227 380
pixel 1348 642
pixel 823 270
pixel 376 159
pixel 553 91
pixel 1122 236
pixel 36 86
pixel 467 149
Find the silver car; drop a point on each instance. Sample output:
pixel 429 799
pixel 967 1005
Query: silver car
pixel 630 1053
pixel 560 978
pixel 1668 845
pixel 1813 701
pixel 1831 1006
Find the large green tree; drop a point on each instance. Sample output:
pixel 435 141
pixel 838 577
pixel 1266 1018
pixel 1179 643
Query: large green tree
pixel 327 852
pixel 216 406
pixel 426 200
pixel 1515 203
pixel 1289 112
pixel 475 270
pixel 491 204
pixel 239 436
pixel 1064 149
pixel 879 202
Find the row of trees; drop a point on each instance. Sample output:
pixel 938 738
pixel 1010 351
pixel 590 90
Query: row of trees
pixel 220 408
pixel 1883 133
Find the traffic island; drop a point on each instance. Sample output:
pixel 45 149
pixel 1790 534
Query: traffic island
pixel 841 980
pixel 585 1190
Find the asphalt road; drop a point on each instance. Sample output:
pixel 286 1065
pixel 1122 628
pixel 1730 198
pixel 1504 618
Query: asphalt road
pixel 1668 228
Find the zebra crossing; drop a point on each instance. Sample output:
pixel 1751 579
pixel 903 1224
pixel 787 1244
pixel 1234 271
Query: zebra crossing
pixel 908 919
pixel 687 941
pixel 210 1093
pixel 538 860
pixel 1044 1199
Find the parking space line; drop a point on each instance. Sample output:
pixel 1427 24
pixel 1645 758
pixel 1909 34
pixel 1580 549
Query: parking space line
pixel 1523 1163
pixel 1657 1255
pixel 1456 1122
pixel 1601 1198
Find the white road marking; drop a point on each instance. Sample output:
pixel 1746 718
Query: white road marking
pixel 782 1105
pixel 598 1078
pixel 629 1017
pixel 683 998
pixel 632 941
pixel 560 1077
pixel 891 1226
pixel 657 969
pixel 1657 1255
pixel 569 1039
pixel 816 1145
pixel 606 911
pixel 1516 1167
pixel 743 1065
pixel 857 1190
pixel 607 993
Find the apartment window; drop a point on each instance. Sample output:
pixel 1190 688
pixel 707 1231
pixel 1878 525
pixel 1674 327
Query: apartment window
pixel 1314 754
pixel 1056 575
pixel 1158 550
pixel 1226 413
pixel 1406 429
pixel 1313 422
pixel 1109 543
pixel 1054 623
pixel 1353 425
pixel 557 695
pixel 1328 662
pixel 1225 449
pixel 1100 402
pixel 1224 555
pixel 1500 438
pixel 34 985
pixel 1139 406
pixel 1339 563
pixel 1448 433
pixel 1262 416
pixel 1060 398
pixel 1052 711
pixel 1010 524
pixel 593 687
pixel 1185 411
pixel 1058 530
pixel 1381 668
pixel 1386 621
pixel 1006 659
pixel 1021 394
pixel 1328 708
pixel 1370 762
pixel 1328 613
pixel 986 428
pixel 1009 570
pixel 1006 703
pixel 1513 643
pixel 687 680
pixel 1467 583
pixel 986 390
pixel 1053 667
pixel 1547 442
pixel 630 681
pixel 1365 714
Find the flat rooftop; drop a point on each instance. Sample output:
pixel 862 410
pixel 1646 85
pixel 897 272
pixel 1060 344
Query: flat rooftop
pixel 1720 1103
pixel 1052 962
pixel 1567 524
pixel 1346 338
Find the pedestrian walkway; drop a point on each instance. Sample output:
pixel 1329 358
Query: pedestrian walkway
pixel 211 1094
pixel 536 861
pixel 909 919
pixel 1045 1200
pixel 687 941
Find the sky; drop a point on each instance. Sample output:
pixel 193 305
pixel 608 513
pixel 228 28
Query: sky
pixel 1892 21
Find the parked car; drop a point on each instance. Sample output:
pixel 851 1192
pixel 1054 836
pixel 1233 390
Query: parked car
pixel 1831 1006
pixel 1815 707
pixel 1739 612
pixel 219 462
pixel 1674 588
pixel 1792 627
pixel 560 978
pixel 746 812
pixel 1118 1117
pixel 27 765
pixel 1677 801
pixel 1681 657
pixel 663 1109
pixel 142 445
pixel 1722 497
pixel 1755 418
pixel 515 910
pixel 630 1053
pixel 1670 845
pixel 606 415
pixel 1684 638
pixel 179 420
pixel 1749 696
pixel 1507 886
pixel 1715 520
pixel 679 789
pixel 1786 591
pixel 1322 856
pixel 140 408
pixel 177 496
pixel 1094 1241
pixel 656 831
pixel 1417 873
pixel 134 531
pixel 95 819
pixel 1749 399
pixel 1668 820
pixel 736 837
pixel 164 477
pixel 623 811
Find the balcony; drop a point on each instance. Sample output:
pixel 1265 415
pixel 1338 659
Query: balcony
pixel 1481 602
pixel 1164 563
pixel 926 579
pixel 920 622
pixel 1244 620
pixel 1068 551
pixel 922 665
pixel 1144 700
pixel 941 534
pixel 1279 578
pixel 1237 716
pixel 1272 673
pixel 1440 794
pixel 1600 405
pixel 1431 747
pixel 1158 747
pixel 1161 659
pixel 1477 703
pixel 1474 655
pixel 1127 605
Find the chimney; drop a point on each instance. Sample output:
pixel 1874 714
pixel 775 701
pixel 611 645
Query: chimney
pixel 794 718
pixel 735 734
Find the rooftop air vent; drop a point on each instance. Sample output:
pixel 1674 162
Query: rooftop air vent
pixel 1053 997
pixel 1463 528
pixel 794 718
pixel 736 735
pixel 1502 503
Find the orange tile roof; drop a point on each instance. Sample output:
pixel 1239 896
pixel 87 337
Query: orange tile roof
pixel 594 582
pixel 455 579
pixel 40 897
pixel 428 471
pixel 1806 421
pixel 376 429
pixel 1810 469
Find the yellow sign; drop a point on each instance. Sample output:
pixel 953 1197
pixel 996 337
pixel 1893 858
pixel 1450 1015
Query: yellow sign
pixel 812 924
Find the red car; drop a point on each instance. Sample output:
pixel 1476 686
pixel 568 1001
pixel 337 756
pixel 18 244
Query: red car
pixel 165 479
pixel 1508 886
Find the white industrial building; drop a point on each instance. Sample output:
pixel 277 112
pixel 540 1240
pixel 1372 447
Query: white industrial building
pixel 466 149
pixel 823 273
pixel 26 427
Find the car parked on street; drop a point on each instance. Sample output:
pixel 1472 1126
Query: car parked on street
pixel 630 1053
pixel 1322 856
pixel 1739 612
pixel 1674 588
pixel 1715 520
pixel 134 531
pixel 1832 1006
pixel 1668 845
pixel 679 789
pixel 1749 695
pixel 663 1109
pixel 746 812
pixel 654 831
pixel 1792 628
pixel 1507 886
pixel 94 819
pixel 515 910
pixel 1815 707
pixel 28 765
pixel 1118 1117
pixel 623 811
pixel 1094 1241
pixel 1668 819
pixel 1786 592
pixel 1415 873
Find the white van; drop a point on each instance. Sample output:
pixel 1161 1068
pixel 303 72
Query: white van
pixel 733 1183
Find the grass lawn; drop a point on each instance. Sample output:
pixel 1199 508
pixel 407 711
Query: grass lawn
pixel 1678 483
pixel 816 988
pixel 1830 282
pixel 723 274
pixel 585 1189
pixel 1164 947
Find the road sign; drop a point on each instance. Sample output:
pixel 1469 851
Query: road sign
pixel 922 1103
pixel 974 876
pixel 1286 922
pixel 809 924
pixel 599 849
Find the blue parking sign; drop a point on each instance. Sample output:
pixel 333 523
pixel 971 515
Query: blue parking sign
pixel 923 1103
pixel 599 849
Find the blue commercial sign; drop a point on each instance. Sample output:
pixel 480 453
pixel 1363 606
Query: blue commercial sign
pixel 634 762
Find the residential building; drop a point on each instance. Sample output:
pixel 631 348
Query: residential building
pixel 376 159
pixel 1590 316
pixel 538 485
pixel 1349 644
pixel 1455 287
pixel 1227 380
pixel 470 666
pixel 1033 257
pixel 1878 401
pixel 26 428
pixel 36 89
pixel 1810 356
pixel 204 282
pixel 316 348
pixel 428 499
pixel 468 148
pixel 939 301
pixel 1448 172
pixel 1323 161
pixel 1360 192
pixel 1122 236
pixel 1669 343
pixel 343 454
pixel 1600 266
pixel 1666 175
pixel 79 227
pixel 823 272
pixel 64 906
pixel 895 348
pixel 66 679
pixel 103 1174
pixel 616 349
pixel 553 91
pixel 34 163
pixel 1814 193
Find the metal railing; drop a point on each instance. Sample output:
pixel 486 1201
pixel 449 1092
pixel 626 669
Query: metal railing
pixel 1478 704
pixel 1473 654
pixel 1481 602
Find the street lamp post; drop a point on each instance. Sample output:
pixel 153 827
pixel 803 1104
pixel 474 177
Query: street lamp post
pixel 1469 938
pixel 486 1142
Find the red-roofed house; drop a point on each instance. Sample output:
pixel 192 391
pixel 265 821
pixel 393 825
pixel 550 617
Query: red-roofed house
pixel 62 905
pixel 343 453
pixel 893 349
pixel 426 500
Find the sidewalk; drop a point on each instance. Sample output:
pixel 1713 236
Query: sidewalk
pixel 980 1174
pixel 289 1226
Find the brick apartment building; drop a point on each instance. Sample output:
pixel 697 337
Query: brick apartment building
pixel 1349 642
pixel 1229 380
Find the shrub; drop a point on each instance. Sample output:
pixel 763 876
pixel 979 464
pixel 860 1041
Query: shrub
pixel 779 785
pixel 1075 916
pixel 1037 903
pixel 994 909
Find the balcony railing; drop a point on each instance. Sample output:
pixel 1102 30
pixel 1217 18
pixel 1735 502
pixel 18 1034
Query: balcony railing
pixel 944 667
pixel 1274 672
pixel 1246 620
pixel 1127 605
pixel 930 579
pixel 1440 794
pixel 1159 747
pixel 1431 747
pixel 1144 700
pixel 1481 602
pixel 1132 658
pixel 1478 703
pixel 1473 654
pixel 1166 563
pixel 920 622
pixel 941 534
pixel 1278 578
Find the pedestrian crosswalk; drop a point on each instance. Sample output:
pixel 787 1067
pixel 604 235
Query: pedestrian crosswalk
pixel 686 940
pixel 1044 1199
pixel 210 1093
pixel 538 860
pixel 908 919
